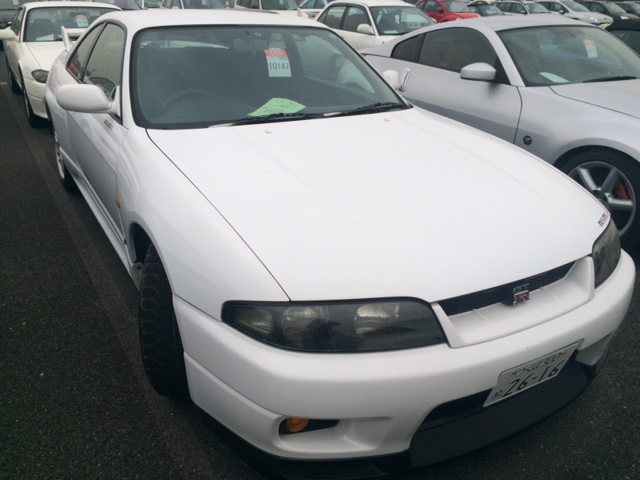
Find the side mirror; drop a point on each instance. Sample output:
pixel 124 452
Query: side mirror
pixel 392 77
pixel 8 34
pixel 87 99
pixel 481 72
pixel 365 28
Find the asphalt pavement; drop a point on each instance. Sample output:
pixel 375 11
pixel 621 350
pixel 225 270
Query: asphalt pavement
pixel 74 400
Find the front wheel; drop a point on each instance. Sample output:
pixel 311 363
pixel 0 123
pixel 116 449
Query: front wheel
pixel 160 343
pixel 32 118
pixel 614 179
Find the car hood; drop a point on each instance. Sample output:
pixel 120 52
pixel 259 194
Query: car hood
pixel 621 96
pixel 393 204
pixel 45 53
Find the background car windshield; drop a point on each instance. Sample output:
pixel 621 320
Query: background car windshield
pixel 457 7
pixel 188 77
pixel 43 24
pixel 399 20
pixel 564 54
pixel 536 8
pixel 279 5
pixel 575 6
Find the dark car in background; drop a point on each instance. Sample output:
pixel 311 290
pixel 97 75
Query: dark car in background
pixel 628 31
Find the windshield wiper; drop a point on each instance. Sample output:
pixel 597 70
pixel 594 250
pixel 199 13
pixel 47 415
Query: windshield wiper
pixel 373 108
pixel 276 117
pixel 611 79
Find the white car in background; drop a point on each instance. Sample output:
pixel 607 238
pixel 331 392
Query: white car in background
pixel 34 40
pixel 571 9
pixel 367 23
pixel 397 292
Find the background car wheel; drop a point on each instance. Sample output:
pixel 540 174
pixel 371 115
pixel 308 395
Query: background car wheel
pixel 32 118
pixel 614 179
pixel 160 343
pixel 15 88
pixel 65 177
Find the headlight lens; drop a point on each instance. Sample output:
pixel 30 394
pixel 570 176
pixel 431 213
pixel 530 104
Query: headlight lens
pixel 40 76
pixel 350 326
pixel 606 253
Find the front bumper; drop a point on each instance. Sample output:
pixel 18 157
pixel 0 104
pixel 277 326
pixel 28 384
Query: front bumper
pixel 393 409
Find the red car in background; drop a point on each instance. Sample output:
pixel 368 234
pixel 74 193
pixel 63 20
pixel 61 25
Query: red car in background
pixel 446 10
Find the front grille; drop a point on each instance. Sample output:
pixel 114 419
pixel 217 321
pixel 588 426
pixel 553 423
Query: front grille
pixel 484 298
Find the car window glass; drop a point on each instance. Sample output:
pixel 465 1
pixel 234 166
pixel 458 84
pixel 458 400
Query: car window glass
pixel 104 67
pixel 409 50
pixel 17 21
pixel 430 6
pixel 203 76
pixel 44 24
pixel 455 48
pixel 355 16
pixel 333 16
pixel 78 61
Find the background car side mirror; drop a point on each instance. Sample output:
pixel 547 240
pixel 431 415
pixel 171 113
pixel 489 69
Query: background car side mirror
pixel 392 77
pixel 365 28
pixel 482 72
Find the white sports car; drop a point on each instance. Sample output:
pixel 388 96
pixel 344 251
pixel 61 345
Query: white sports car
pixel 33 41
pixel 345 301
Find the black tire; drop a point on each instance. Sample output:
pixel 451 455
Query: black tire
pixel 65 177
pixel 15 88
pixel 614 179
pixel 160 343
pixel 32 118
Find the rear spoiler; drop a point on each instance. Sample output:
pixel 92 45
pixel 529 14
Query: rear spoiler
pixel 70 35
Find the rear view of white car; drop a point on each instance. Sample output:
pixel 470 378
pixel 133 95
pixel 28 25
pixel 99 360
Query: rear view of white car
pixel 34 40
pixel 389 297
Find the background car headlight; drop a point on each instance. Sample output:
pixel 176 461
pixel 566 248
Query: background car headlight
pixel 350 326
pixel 40 75
pixel 606 253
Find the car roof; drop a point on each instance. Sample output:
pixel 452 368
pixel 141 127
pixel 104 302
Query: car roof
pixel 136 20
pixel 67 3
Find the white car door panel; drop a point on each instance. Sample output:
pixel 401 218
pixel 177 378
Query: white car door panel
pixel 493 107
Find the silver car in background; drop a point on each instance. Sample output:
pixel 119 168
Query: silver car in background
pixel 563 90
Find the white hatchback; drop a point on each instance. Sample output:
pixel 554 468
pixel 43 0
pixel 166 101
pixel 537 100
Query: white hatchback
pixel 339 300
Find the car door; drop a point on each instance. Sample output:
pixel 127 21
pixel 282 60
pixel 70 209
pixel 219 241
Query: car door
pixel 431 80
pixel 96 139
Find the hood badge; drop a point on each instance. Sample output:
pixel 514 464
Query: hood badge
pixel 517 295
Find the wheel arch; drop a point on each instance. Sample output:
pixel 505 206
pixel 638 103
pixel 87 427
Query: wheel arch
pixel 569 154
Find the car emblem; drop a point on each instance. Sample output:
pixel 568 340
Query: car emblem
pixel 519 294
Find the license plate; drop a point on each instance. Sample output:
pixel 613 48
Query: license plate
pixel 517 380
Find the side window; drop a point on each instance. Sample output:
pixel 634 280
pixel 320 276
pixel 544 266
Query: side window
pixel 456 48
pixel 409 50
pixel 17 22
pixel 104 68
pixel 431 6
pixel 78 61
pixel 333 16
pixel 355 16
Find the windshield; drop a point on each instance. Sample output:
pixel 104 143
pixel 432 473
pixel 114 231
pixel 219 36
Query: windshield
pixel 203 4
pixel 569 54
pixel 575 6
pixel 399 20
pixel 536 8
pixel 456 7
pixel 279 5
pixel 487 10
pixel 613 8
pixel 43 24
pixel 196 77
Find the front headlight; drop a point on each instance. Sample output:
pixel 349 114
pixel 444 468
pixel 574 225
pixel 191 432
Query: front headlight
pixel 40 76
pixel 606 253
pixel 349 326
